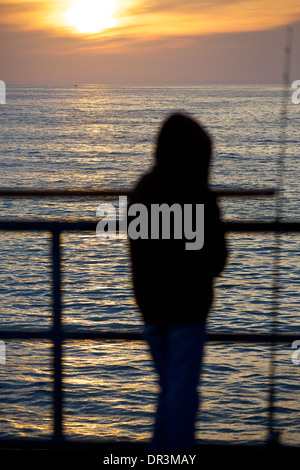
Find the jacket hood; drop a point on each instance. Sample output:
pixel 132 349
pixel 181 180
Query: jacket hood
pixel 183 147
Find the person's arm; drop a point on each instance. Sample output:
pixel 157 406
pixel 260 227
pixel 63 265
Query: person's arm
pixel 215 240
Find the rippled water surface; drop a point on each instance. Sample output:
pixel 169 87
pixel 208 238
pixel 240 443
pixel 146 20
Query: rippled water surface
pixel 103 137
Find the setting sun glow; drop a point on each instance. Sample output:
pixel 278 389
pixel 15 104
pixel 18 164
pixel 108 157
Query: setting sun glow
pixel 91 16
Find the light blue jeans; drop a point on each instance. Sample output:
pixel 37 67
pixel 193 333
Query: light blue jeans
pixel 177 353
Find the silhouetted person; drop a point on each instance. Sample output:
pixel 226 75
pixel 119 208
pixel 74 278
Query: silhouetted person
pixel 173 285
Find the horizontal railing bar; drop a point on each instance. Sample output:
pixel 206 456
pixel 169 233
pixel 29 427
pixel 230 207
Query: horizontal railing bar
pixel 133 447
pixel 261 226
pixel 85 225
pixel 42 193
pixel 137 336
pixel 49 335
pixel 130 447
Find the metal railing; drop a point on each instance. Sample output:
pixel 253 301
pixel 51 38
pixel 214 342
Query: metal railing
pixel 57 335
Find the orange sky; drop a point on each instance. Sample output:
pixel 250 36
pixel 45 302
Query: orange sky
pixel 145 41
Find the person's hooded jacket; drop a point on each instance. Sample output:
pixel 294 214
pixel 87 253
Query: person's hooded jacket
pixel 173 285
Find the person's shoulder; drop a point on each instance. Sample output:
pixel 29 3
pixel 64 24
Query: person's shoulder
pixel 142 187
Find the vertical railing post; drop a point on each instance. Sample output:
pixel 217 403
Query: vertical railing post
pixel 57 336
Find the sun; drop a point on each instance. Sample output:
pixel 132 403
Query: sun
pixel 91 16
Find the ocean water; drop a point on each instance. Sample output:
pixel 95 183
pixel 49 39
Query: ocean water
pixel 96 136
